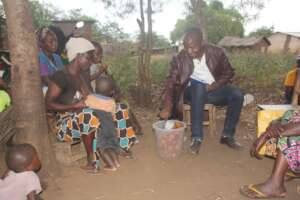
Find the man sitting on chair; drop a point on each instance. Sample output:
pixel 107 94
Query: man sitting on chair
pixel 200 73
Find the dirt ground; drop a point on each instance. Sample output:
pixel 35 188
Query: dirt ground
pixel 215 174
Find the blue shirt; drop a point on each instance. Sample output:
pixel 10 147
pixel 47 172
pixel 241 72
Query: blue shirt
pixel 47 66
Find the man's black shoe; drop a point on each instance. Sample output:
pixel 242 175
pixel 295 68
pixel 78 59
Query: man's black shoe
pixel 230 142
pixel 195 145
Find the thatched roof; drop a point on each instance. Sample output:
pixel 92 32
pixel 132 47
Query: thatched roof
pixel 242 42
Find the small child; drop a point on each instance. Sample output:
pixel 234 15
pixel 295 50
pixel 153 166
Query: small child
pixel 107 144
pixel 21 182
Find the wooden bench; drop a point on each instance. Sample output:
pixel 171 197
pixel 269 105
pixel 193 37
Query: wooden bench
pixel 211 122
pixel 66 153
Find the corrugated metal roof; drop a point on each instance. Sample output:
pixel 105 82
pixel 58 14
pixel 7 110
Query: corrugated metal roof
pixel 295 34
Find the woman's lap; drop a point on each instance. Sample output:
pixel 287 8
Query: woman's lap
pixel 290 146
pixel 72 125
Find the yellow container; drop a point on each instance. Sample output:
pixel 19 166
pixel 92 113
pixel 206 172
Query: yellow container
pixel 265 115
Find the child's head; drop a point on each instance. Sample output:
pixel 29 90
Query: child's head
pixel 98 53
pixel 22 157
pixel 105 86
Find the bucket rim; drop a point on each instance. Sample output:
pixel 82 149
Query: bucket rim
pixel 155 127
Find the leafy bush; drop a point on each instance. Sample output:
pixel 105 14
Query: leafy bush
pixel 261 73
pixel 123 69
pixel 159 69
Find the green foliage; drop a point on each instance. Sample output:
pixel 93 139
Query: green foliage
pixel 159 69
pixel 160 41
pixel 181 26
pixel 43 13
pixel 249 9
pixel 263 31
pixel 219 22
pixel 123 69
pixel 261 73
pixel 2 22
pixel 112 31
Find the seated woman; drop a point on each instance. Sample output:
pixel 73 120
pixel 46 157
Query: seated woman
pixel 49 61
pixel 287 132
pixel 65 96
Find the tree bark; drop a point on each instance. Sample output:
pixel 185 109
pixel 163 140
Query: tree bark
pixel 149 50
pixel 197 8
pixel 143 93
pixel 27 95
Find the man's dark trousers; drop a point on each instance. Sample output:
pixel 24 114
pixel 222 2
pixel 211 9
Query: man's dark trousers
pixel 226 95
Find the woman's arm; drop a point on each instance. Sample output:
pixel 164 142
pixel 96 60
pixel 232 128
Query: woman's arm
pixel 53 93
pixel 101 69
pixel 291 129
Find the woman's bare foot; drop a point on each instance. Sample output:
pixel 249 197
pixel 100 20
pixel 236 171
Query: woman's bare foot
pixel 263 190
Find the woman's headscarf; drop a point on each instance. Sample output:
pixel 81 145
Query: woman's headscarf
pixel 76 46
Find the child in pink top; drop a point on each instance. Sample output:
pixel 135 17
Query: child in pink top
pixel 20 182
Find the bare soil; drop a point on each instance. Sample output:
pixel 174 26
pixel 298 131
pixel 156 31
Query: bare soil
pixel 215 174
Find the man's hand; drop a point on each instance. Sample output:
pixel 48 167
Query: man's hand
pixel 209 88
pixel 165 113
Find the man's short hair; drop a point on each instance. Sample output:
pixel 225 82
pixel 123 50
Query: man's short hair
pixel 105 85
pixel 194 29
pixel 19 156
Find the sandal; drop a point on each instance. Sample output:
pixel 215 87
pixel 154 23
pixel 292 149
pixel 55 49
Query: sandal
pixel 290 175
pixel 252 192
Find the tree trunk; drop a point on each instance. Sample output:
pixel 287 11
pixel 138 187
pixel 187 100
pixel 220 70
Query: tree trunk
pixel 27 95
pixel 148 55
pixel 143 93
pixel 197 8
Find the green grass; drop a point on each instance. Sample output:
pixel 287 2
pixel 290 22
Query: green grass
pixel 261 73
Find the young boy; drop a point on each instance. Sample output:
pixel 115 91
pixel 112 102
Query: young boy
pixel 21 182
pixel 107 143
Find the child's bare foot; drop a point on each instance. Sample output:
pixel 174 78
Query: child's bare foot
pixel 126 154
pixel 117 164
pixel 88 167
pixel 109 168
pixel 94 171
